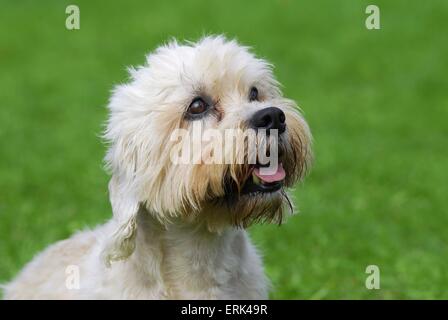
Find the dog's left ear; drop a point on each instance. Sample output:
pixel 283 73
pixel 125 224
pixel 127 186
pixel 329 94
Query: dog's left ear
pixel 125 207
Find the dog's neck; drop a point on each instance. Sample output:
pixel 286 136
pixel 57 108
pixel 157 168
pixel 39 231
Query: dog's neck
pixel 184 255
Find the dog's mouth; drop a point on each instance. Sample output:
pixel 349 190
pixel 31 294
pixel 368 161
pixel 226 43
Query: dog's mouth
pixel 257 179
pixel 263 179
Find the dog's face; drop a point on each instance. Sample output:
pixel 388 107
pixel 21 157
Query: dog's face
pixel 219 89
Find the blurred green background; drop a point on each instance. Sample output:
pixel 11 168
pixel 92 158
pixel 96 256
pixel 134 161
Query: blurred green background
pixel 376 101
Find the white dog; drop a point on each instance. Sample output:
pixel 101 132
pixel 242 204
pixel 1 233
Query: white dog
pixel 178 230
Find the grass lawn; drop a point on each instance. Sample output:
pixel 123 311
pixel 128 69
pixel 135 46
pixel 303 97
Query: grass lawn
pixel 376 102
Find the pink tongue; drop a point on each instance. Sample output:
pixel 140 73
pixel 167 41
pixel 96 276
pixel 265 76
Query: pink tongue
pixel 279 175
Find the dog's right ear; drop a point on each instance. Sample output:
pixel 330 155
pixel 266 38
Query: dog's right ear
pixel 125 207
pixel 121 161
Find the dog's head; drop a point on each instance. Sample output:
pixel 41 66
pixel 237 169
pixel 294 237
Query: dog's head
pixel 202 131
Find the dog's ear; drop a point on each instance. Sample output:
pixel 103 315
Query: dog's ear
pixel 121 161
pixel 125 207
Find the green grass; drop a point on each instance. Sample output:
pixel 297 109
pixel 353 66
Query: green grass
pixel 376 102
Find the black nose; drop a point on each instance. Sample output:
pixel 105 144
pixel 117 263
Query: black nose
pixel 269 118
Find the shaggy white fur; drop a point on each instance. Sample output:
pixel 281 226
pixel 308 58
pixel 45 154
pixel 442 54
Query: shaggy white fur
pixel 178 231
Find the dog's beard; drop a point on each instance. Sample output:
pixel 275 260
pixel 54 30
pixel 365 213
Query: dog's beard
pixel 247 203
pixel 247 209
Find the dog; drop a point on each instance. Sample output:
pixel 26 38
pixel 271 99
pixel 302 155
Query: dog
pixel 179 229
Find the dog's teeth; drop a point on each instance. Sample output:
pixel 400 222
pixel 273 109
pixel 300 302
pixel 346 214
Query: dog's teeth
pixel 256 180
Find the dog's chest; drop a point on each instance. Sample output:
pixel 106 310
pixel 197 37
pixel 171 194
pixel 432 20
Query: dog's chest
pixel 200 265
pixel 188 263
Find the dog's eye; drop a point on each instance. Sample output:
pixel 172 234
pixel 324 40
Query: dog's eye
pixel 253 94
pixel 198 106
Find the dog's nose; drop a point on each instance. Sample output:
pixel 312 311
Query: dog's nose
pixel 269 118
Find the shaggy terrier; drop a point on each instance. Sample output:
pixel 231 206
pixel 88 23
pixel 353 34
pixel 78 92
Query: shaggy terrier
pixel 178 227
